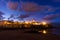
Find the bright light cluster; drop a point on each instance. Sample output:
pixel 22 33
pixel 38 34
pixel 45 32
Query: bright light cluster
pixel 44 31
pixel 44 23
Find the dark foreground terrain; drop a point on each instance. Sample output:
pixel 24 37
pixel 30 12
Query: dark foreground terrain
pixel 22 35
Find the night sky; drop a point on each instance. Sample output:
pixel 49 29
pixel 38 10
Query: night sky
pixel 23 10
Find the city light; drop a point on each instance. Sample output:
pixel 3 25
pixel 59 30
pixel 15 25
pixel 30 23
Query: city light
pixel 44 31
pixel 44 23
pixel 26 22
pixel 36 23
pixel 5 22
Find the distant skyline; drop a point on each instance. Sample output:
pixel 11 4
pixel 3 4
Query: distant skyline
pixel 40 10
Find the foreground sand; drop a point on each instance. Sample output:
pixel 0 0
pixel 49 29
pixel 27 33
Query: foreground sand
pixel 20 35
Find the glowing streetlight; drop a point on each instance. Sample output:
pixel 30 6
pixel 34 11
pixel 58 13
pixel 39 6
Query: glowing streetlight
pixel 44 31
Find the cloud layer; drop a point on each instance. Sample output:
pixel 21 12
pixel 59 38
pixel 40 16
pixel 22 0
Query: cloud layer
pixel 1 15
pixel 22 16
pixel 32 7
pixel 51 16
pixel 12 5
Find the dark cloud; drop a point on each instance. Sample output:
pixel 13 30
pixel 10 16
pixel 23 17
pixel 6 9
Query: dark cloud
pixel 11 16
pixel 51 16
pixel 12 5
pixel 28 6
pixel 22 16
pixel 34 7
pixel 1 15
pixel 37 9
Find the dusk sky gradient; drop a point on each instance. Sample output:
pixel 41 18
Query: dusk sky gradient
pixel 40 10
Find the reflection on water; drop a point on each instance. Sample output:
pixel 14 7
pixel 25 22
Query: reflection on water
pixel 52 31
pixel 48 34
pixel 56 31
pixel 44 31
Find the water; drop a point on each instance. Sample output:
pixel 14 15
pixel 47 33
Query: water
pixel 20 35
pixel 56 31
